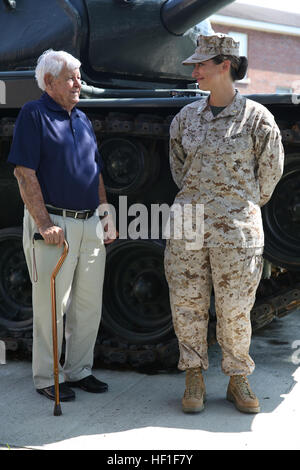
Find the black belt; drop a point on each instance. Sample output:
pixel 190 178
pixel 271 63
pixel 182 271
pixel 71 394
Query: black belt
pixel 69 213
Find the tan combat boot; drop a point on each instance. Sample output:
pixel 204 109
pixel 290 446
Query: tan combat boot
pixel 240 393
pixel 194 395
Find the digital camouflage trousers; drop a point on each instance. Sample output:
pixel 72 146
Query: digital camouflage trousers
pixel 234 273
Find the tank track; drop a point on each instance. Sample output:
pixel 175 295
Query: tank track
pixel 276 297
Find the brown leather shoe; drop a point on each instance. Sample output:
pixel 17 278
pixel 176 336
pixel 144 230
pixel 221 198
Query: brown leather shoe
pixel 194 395
pixel 240 393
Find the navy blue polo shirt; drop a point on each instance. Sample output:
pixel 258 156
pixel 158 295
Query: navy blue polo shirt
pixel 62 149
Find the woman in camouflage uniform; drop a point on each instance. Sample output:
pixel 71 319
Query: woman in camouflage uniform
pixel 226 154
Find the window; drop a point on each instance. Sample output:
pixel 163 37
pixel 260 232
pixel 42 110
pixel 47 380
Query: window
pixel 242 38
pixel 284 89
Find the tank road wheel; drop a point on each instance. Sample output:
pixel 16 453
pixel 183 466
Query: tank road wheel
pixel 281 217
pixel 136 309
pixel 15 285
pixel 136 302
pixel 128 165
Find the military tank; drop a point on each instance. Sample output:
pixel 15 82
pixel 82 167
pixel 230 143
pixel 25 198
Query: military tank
pixel 133 85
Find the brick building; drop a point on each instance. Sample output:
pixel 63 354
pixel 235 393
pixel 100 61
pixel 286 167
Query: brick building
pixel 271 41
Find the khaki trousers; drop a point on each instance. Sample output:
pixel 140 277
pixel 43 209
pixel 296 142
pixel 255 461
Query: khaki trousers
pixel 78 295
pixel 235 274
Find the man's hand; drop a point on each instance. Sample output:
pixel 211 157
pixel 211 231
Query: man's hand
pixel 53 235
pixel 109 230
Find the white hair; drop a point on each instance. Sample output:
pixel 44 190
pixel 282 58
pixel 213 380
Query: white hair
pixel 52 62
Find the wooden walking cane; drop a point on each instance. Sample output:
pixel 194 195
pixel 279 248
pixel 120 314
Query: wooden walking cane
pixel 57 408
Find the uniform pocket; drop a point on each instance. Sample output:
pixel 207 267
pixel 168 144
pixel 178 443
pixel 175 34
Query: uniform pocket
pixel 237 143
pixel 192 142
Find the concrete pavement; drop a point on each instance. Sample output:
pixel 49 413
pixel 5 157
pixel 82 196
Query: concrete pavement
pixel 143 411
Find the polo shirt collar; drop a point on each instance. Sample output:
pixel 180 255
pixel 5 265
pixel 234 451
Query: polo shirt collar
pixel 231 110
pixel 54 106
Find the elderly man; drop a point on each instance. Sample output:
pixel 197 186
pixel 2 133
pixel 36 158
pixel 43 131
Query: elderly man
pixel 58 169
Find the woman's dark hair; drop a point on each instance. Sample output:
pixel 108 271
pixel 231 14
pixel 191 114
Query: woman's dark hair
pixel 238 67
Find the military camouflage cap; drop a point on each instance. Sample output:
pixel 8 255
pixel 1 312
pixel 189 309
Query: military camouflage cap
pixel 211 46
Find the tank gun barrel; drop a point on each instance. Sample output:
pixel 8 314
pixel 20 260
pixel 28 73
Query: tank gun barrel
pixel 180 15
